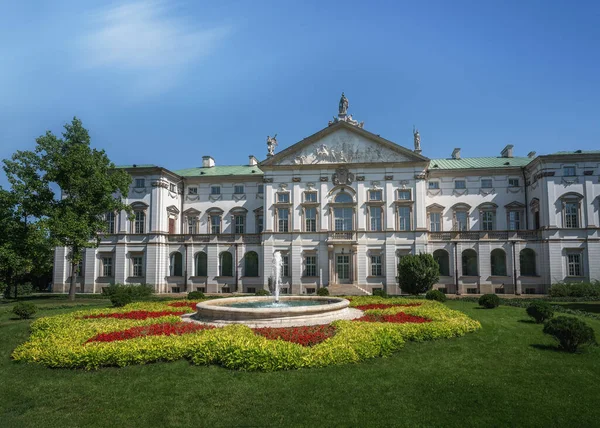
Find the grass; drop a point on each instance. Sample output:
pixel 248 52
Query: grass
pixel 508 373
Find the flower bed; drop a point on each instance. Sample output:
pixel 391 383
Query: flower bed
pixel 114 337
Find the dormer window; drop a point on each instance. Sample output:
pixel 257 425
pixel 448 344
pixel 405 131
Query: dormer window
pixel 310 197
pixel 375 195
pixel 283 197
pixel 140 182
pixel 569 171
pixel 404 195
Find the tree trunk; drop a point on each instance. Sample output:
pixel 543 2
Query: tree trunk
pixel 73 286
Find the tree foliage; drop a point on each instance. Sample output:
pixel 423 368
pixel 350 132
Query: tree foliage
pixel 417 273
pixel 68 186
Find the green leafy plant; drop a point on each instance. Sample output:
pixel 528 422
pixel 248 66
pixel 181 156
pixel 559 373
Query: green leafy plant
pixel 121 298
pixel 262 292
pixel 576 289
pixel 436 295
pixel 194 295
pixel 323 291
pixel 489 301
pixel 24 310
pixel 570 332
pixel 135 291
pixel 540 311
pixel 417 273
pixel 21 290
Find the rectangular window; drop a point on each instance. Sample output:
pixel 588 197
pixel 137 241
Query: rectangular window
pixel 375 195
pixel 261 189
pixel 574 264
pixel 434 185
pixel 572 214
pixel 283 220
pixel 404 218
pixel 172 226
pixel 283 198
pixel 569 171
pixel 238 190
pixel 343 219
pixel 514 220
pixel 460 184
pixel 140 182
pixel 215 190
pixel 192 225
pixel 192 190
pixel 376 265
pixel 172 187
pixel 435 222
pixel 310 215
pixel 513 182
pixel 240 223
pixel 310 266
pixel 487 220
pixel 486 183
pixel 79 268
pixel 310 196
pixel 286 265
pixel 215 224
pixel 110 222
pixel 138 265
pixel 375 213
pixel 140 219
pixel 404 195
pixel 259 223
pixel 106 266
pixel 461 220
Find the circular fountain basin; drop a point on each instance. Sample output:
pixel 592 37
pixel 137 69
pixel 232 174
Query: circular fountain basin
pixel 265 312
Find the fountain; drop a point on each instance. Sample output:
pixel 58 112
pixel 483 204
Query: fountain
pixel 277 311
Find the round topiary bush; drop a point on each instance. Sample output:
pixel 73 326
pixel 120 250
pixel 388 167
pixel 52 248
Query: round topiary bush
pixel 489 301
pixel 570 332
pixel 436 295
pixel 323 291
pixel 121 298
pixel 24 310
pixel 540 311
pixel 193 295
pixel 262 292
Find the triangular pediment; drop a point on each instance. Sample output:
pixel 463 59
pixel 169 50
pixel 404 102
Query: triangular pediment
pixel 343 143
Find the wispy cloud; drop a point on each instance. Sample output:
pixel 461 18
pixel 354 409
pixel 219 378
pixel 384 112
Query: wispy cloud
pixel 146 41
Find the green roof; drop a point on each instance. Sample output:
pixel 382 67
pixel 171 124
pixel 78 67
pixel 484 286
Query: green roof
pixel 579 152
pixel 220 171
pixel 137 166
pixel 478 163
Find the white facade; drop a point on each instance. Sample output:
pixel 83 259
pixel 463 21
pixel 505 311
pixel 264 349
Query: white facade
pixel 343 206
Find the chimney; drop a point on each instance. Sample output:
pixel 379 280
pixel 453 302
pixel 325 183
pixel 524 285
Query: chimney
pixel 531 155
pixel 507 151
pixel 252 161
pixel 456 153
pixel 207 162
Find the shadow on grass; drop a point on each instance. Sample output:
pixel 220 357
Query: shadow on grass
pixel 586 307
pixel 554 348
pixel 528 322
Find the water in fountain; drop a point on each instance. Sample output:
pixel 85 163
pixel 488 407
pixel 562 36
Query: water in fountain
pixel 277 268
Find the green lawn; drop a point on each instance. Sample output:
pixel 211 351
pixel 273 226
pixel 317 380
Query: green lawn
pixel 507 374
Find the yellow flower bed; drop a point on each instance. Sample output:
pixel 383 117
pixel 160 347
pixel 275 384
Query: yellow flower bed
pixel 60 341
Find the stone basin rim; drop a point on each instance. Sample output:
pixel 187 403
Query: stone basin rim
pixel 217 305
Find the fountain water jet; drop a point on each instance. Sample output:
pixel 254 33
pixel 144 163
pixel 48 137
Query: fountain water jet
pixel 276 270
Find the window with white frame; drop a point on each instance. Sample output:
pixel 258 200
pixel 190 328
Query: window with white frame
pixel 283 197
pixel 283 215
pixel 310 197
pixel 285 269
pixel 375 214
pixel 461 220
pixel 240 223
pixel 404 195
pixel 173 187
pixel 192 190
pixel 376 267
pixel 261 189
pixel 404 218
pixel 514 220
pixel 571 214
pixel 110 222
pixel 106 266
pixel 192 225
pixel 259 223
pixel 434 184
pixel 238 189
pixel 569 171
pixel 140 182
pixel 215 190
pixel 375 195
pixel 486 183
pixel 513 182
pixel 460 184
pixel 435 221
pixel 310 219
pixel 137 265
pixel 310 265
pixel 574 264
pixel 139 222
pixel 488 220
pixel 215 223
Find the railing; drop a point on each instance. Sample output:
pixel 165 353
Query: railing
pixel 341 236
pixel 223 238
pixel 486 235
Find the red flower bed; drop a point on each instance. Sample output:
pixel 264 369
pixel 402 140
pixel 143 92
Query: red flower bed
pixel 398 318
pixel 384 306
pixel 191 305
pixel 305 336
pixel 135 315
pixel 164 329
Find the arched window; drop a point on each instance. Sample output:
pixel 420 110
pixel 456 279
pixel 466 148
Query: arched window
pixel 343 198
pixel 527 262
pixel 469 263
pixel 201 264
pixel 498 262
pixel 225 264
pixel 251 264
pixel 442 259
pixel 176 264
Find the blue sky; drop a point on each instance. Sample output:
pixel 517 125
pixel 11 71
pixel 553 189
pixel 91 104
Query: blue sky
pixel 168 82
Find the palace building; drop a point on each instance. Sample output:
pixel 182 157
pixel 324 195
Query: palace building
pixel 343 206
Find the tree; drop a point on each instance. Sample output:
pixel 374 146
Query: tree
pixel 417 273
pixel 88 183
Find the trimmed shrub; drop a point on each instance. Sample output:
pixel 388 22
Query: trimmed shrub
pixel 121 298
pixel 22 290
pixel 436 295
pixel 380 292
pixel 417 273
pixel 489 301
pixel 323 291
pixel 540 311
pixel 24 310
pixel 262 292
pixel 135 291
pixel 575 289
pixel 570 332
pixel 194 295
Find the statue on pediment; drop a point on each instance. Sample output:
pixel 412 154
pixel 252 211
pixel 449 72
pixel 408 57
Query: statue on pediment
pixel 343 109
pixel 417 139
pixel 271 144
